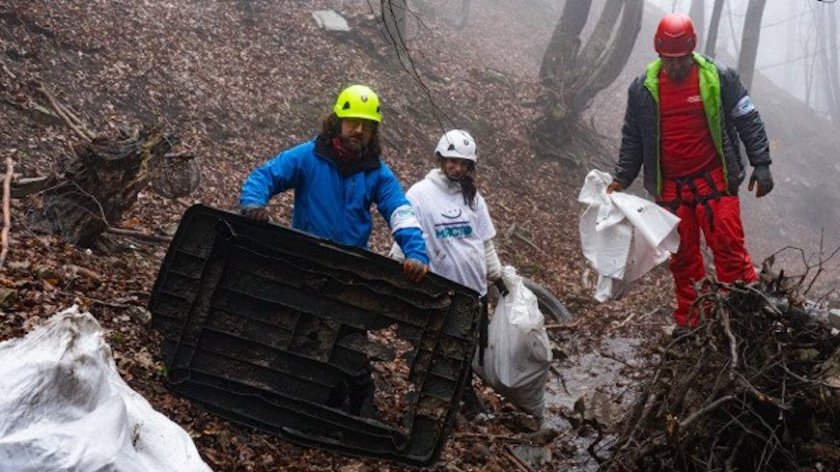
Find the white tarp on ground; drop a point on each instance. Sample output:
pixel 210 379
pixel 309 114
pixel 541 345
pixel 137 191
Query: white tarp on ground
pixel 622 235
pixel 64 406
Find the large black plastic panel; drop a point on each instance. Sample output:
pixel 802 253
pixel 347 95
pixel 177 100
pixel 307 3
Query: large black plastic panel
pixel 278 330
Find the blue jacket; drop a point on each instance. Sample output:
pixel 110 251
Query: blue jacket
pixel 332 201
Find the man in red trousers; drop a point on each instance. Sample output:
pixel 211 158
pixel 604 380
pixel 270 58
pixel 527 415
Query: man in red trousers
pixel 684 119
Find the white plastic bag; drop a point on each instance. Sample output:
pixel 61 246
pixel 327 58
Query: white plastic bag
pixel 518 352
pixel 64 406
pixel 623 236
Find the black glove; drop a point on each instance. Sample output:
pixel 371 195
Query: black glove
pixel 256 214
pixel 732 186
pixel 501 287
pixel 761 174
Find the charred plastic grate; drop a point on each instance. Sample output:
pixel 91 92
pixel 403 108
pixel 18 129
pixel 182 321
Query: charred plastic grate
pixel 277 330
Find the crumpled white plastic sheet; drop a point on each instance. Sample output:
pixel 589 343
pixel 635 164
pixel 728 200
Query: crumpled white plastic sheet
pixel 64 406
pixel 623 236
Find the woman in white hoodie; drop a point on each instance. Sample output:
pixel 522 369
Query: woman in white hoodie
pixel 456 224
pixel 457 227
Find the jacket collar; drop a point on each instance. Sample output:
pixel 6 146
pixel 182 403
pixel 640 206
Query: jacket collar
pixel 323 149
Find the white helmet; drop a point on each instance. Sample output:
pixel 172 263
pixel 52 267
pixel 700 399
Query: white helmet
pixel 459 144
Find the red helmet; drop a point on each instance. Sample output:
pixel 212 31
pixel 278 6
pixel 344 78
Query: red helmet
pixel 675 36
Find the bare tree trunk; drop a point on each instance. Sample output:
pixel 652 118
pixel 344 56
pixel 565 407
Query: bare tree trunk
pixel 697 12
pixel 832 68
pixel 610 64
pixel 732 33
pixel 714 25
pixel 101 183
pixel 573 75
pixel 749 41
pixel 464 16
pixel 565 42
pixel 812 64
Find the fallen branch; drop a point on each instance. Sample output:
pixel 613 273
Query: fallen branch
pixel 186 155
pixel 572 325
pixel 29 185
pixel 520 464
pixel 72 121
pixel 633 314
pixel 711 406
pixel 490 437
pixel 7 71
pixel 733 344
pixel 7 214
pixel 123 306
pixel 560 377
pixel 139 235
pixel 528 242
pixel 627 319
pixel 613 357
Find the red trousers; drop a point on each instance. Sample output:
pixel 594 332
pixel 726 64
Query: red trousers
pixel 702 204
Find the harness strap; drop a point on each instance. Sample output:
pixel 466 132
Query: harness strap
pixel 704 200
pixel 672 205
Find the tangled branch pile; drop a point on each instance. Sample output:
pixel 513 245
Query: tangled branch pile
pixel 754 387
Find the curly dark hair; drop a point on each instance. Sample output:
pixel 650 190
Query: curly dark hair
pixel 468 188
pixel 331 128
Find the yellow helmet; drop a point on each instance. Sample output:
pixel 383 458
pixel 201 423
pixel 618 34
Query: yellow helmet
pixel 358 101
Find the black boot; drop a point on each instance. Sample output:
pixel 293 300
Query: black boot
pixel 361 395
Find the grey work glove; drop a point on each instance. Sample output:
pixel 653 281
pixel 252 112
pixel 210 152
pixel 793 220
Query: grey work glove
pixel 256 214
pixel 761 174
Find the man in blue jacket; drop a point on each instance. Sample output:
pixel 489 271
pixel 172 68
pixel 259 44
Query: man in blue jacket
pixel 336 178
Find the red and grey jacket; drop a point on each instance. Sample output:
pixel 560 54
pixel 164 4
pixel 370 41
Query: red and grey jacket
pixel 729 113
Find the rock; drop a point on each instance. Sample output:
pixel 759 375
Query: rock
pixel 7 297
pixel 330 20
pixel 542 437
pixel 141 314
pixel 834 318
pixel 533 456
pixel 597 406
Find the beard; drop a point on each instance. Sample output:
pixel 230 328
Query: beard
pixel 353 143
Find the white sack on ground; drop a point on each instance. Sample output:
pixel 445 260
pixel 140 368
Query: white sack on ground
pixel 64 406
pixel 518 352
pixel 622 235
